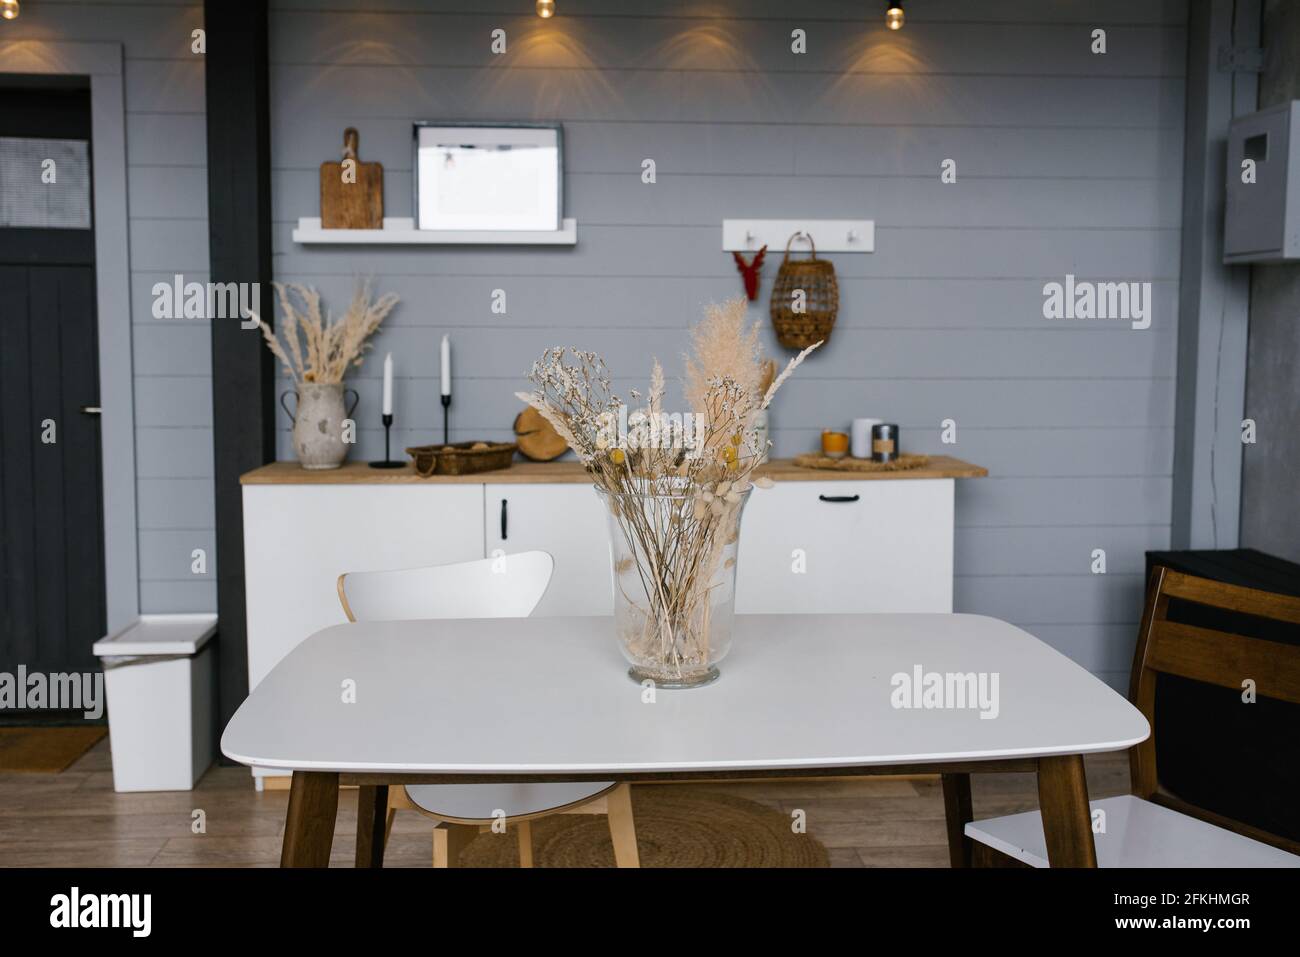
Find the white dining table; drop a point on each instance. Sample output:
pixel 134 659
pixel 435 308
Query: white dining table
pixel 549 699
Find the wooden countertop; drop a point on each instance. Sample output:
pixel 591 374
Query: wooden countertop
pixel 780 470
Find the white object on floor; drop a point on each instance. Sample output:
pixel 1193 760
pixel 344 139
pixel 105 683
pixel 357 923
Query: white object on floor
pixel 551 695
pixel 158 678
pixel 1138 834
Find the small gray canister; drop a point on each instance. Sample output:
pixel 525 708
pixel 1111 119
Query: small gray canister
pixel 884 442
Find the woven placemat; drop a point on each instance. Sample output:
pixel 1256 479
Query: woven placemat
pixel 675 827
pixel 812 460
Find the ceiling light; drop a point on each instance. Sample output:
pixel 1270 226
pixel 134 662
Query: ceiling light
pixel 9 9
pixel 894 15
pixel 546 9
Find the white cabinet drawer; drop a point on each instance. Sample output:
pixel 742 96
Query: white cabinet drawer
pixel 844 546
pixel 566 520
pixel 298 539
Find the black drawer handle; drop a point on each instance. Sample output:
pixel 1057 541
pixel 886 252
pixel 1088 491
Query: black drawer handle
pixel 503 520
pixel 838 498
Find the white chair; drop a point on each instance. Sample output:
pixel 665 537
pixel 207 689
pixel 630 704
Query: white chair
pixel 506 587
pixel 1153 827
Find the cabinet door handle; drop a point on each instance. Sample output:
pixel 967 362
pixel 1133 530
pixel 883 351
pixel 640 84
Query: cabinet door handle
pixel 503 520
pixel 838 498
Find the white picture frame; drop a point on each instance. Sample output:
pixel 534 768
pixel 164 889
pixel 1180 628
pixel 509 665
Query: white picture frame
pixel 483 177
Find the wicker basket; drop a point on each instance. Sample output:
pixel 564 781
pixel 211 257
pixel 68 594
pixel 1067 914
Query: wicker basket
pixel 816 277
pixel 461 458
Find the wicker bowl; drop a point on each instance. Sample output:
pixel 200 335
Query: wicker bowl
pixel 816 277
pixel 461 458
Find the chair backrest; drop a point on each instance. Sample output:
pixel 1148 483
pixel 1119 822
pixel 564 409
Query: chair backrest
pixel 1174 653
pixel 509 586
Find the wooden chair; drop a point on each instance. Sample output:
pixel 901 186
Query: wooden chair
pixel 505 587
pixel 1152 827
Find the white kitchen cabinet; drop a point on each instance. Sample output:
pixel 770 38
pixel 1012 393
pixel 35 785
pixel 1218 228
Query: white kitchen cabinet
pixel 845 546
pixel 567 520
pixel 298 539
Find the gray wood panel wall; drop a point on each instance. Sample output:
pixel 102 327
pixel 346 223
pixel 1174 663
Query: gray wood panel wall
pixel 167 203
pixel 1068 162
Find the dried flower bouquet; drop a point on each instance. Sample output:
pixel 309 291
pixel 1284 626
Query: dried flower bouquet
pixel 674 486
pixel 312 346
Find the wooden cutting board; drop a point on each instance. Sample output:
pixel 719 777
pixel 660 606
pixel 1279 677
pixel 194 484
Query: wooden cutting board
pixel 536 438
pixel 351 192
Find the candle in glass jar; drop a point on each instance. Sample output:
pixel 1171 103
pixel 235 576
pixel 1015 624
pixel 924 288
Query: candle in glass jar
pixel 446 366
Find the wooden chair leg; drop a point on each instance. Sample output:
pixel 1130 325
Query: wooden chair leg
pixel 622 828
pixel 388 824
pixel 525 829
pixel 449 840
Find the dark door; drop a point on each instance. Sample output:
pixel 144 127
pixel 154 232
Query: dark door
pixel 51 506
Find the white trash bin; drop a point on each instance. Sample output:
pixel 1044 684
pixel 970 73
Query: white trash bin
pixel 159 681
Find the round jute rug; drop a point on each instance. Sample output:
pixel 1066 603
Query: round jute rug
pixel 675 827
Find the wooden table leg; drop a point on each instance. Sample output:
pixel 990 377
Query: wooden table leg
pixel 957 812
pixel 309 825
pixel 372 820
pixel 1067 819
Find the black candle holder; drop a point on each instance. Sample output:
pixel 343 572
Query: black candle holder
pixel 446 418
pixel 388 462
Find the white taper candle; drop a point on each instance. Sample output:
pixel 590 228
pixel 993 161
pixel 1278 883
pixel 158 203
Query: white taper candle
pixel 446 366
pixel 388 384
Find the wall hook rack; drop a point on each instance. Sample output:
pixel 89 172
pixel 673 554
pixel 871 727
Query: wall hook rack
pixel 831 235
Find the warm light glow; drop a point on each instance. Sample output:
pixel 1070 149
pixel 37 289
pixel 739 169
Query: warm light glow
pixel 546 9
pixel 894 16
pixel 9 9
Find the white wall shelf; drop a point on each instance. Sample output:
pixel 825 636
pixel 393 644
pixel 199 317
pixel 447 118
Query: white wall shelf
pixel 830 235
pixel 401 231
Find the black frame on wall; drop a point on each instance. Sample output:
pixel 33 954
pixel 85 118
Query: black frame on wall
pixel 239 249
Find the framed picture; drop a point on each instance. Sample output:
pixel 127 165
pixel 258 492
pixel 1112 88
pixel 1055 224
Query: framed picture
pixel 475 176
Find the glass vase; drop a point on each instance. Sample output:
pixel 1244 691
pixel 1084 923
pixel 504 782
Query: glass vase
pixel 674 569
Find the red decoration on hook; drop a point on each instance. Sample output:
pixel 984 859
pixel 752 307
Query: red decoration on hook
pixel 750 271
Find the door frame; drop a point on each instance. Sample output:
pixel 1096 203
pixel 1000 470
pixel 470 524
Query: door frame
pixel 102 63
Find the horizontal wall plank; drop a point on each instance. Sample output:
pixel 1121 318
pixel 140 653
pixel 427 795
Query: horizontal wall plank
pixel 998 408
pixel 151 30
pixel 169 245
pixel 176 503
pixel 177 597
pixel 173 452
pixel 455 302
pixel 905 149
pixel 1136 500
pixel 170 401
pixel 992 552
pixel 544 93
pixel 740 45
pixel 1052 599
pixel 168 192
pixel 1099 648
pixel 166 139
pixel 622 199
pixel 695 251
pixel 180 349
pixel 164 86
pixel 986 11
pixel 169 555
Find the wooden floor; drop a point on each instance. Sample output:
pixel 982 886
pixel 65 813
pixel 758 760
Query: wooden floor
pixel 75 819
